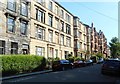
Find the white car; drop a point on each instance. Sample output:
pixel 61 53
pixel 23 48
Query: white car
pixel 89 62
pixel 100 61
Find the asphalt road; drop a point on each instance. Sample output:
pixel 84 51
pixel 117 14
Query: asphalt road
pixel 84 74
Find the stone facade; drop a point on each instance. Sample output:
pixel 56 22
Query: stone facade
pixel 80 38
pixel 11 38
pixel 38 30
pixel 52 31
pixel 45 28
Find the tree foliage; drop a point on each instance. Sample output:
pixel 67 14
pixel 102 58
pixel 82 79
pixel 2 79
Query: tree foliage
pixel 99 55
pixel 115 47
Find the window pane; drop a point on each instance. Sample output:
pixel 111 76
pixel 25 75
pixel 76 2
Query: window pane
pixel 68 41
pixel 40 1
pixel 51 52
pixel 56 53
pixel 50 36
pixel 24 10
pixel 14 48
pixel 50 5
pixel 40 16
pixel 11 5
pixel 41 33
pixel 62 26
pixel 50 21
pixel 23 28
pixel 10 24
pixel 68 30
pixel 57 23
pixel 2 47
pixel 40 51
pixel 10 20
pixel 10 28
pixel 56 10
pixel 62 40
pixel 57 38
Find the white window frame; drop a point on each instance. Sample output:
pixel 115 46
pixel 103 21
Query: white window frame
pixel 11 5
pixel 62 39
pixel 2 47
pixel 57 23
pixel 62 13
pixel 42 2
pixel 56 53
pixel 57 38
pixel 24 9
pixel 68 41
pixel 50 20
pixel 40 15
pixel 23 27
pixel 50 36
pixel 50 5
pixel 40 51
pixel 11 25
pixel 41 32
pixel 56 10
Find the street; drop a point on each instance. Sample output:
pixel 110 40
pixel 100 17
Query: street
pixel 84 74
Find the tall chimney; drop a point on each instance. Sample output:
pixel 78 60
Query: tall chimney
pixel 92 24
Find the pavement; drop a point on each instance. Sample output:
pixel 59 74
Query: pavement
pixel 23 75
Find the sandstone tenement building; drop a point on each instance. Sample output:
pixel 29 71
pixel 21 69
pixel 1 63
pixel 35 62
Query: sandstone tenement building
pixel 45 28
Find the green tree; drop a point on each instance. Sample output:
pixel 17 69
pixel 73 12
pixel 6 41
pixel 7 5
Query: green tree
pixel 115 47
pixel 99 55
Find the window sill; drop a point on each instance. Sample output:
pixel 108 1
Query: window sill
pixel 11 10
pixel 23 35
pixel 41 21
pixel 10 32
pixel 24 17
pixel 40 39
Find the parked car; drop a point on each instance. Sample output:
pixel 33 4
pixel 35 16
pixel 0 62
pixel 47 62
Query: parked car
pixel 61 65
pixel 88 62
pixel 111 67
pixel 79 64
pixel 94 59
pixel 100 61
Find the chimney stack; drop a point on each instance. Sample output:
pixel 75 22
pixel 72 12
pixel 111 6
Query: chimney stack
pixel 92 24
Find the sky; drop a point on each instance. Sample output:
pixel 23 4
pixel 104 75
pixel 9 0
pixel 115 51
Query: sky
pixel 104 15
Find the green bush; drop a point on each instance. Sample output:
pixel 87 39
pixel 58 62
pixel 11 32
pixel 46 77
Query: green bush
pixel 77 58
pixel 71 59
pixel 69 55
pixel 15 64
pixel 57 58
pixel 83 59
pixel 99 55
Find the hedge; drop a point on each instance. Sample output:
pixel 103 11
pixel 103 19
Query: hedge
pixel 16 64
pixel 77 58
pixel 71 58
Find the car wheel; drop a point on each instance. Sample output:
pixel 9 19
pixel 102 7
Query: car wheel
pixel 102 72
